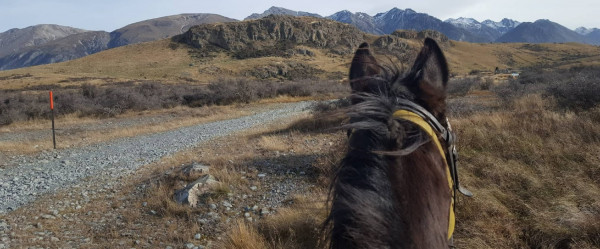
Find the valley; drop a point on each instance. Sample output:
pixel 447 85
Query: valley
pixel 132 123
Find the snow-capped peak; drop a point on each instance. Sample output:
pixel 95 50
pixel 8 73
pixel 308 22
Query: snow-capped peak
pixel 504 24
pixel 463 22
pixel 583 30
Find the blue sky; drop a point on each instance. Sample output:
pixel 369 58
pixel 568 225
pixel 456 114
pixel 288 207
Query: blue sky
pixel 109 15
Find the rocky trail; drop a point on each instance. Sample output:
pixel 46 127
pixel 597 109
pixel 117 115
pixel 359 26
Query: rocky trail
pixel 78 189
pixel 49 171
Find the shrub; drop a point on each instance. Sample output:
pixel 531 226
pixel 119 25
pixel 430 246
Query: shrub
pixel 461 86
pixel 116 98
pixel 577 93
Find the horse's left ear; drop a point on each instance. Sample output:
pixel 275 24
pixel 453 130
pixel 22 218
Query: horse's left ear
pixel 428 78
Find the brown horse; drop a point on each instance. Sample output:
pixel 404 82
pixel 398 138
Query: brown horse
pixel 394 189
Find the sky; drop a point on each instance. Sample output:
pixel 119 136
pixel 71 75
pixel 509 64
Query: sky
pixel 109 15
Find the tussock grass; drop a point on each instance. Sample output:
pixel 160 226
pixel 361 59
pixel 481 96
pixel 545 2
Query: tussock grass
pixel 296 226
pixel 535 174
pixel 243 236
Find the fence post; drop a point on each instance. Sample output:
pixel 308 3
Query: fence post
pixel 52 110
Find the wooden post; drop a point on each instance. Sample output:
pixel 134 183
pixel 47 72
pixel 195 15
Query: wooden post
pixel 52 110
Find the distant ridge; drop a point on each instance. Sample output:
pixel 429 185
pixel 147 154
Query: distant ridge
pixel 362 21
pixel 408 19
pixel 502 26
pixel 280 11
pixel 161 28
pixel 14 40
pixel 59 50
pixel 53 43
pixel 47 43
pixel 542 31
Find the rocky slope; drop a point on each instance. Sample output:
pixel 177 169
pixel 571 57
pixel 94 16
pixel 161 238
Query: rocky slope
pixel 272 34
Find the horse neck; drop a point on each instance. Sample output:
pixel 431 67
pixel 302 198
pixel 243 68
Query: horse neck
pixel 389 202
pixel 421 187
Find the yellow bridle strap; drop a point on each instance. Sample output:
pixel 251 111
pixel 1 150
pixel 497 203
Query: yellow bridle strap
pixel 418 120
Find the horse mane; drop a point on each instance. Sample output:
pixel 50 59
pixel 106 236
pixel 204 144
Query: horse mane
pixel 363 204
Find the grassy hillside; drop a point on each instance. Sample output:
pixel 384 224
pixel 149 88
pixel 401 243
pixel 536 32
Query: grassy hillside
pixel 171 62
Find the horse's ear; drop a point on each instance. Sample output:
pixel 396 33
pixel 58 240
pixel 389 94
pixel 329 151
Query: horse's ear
pixel 429 76
pixel 363 64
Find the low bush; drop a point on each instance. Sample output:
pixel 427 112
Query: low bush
pixel 117 98
pixel 573 89
pixel 580 91
pixel 461 86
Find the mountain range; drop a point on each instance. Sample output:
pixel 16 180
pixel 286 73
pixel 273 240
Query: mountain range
pixel 42 44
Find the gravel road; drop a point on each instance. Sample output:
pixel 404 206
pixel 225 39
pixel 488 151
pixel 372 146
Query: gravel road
pixel 49 171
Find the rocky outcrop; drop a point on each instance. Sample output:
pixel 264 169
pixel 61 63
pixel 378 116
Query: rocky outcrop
pixel 397 45
pixel 421 35
pixel 273 30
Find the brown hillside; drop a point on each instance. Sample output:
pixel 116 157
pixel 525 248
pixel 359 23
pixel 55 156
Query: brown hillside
pixel 282 48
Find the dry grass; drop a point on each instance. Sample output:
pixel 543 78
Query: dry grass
pixel 535 174
pixel 464 57
pixel 295 226
pixel 243 236
pixel 75 131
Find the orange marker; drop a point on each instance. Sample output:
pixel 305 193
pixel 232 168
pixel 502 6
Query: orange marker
pixel 51 101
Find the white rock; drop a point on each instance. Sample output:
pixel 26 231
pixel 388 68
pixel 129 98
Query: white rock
pixel 227 204
pixel 189 194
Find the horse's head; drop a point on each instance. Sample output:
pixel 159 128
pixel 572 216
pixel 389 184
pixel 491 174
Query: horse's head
pixel 425 83
pixel 393 189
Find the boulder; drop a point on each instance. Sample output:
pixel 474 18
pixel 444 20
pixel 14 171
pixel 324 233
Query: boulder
pixel 191 193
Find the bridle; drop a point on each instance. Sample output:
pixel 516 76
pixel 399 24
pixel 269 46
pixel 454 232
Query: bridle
pixel 445 134
pixel 412 112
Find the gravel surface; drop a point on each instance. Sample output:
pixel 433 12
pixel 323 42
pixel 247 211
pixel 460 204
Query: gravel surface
pixel 50 171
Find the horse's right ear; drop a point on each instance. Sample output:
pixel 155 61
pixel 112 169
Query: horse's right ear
pixel 428 78
pixel 363 64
